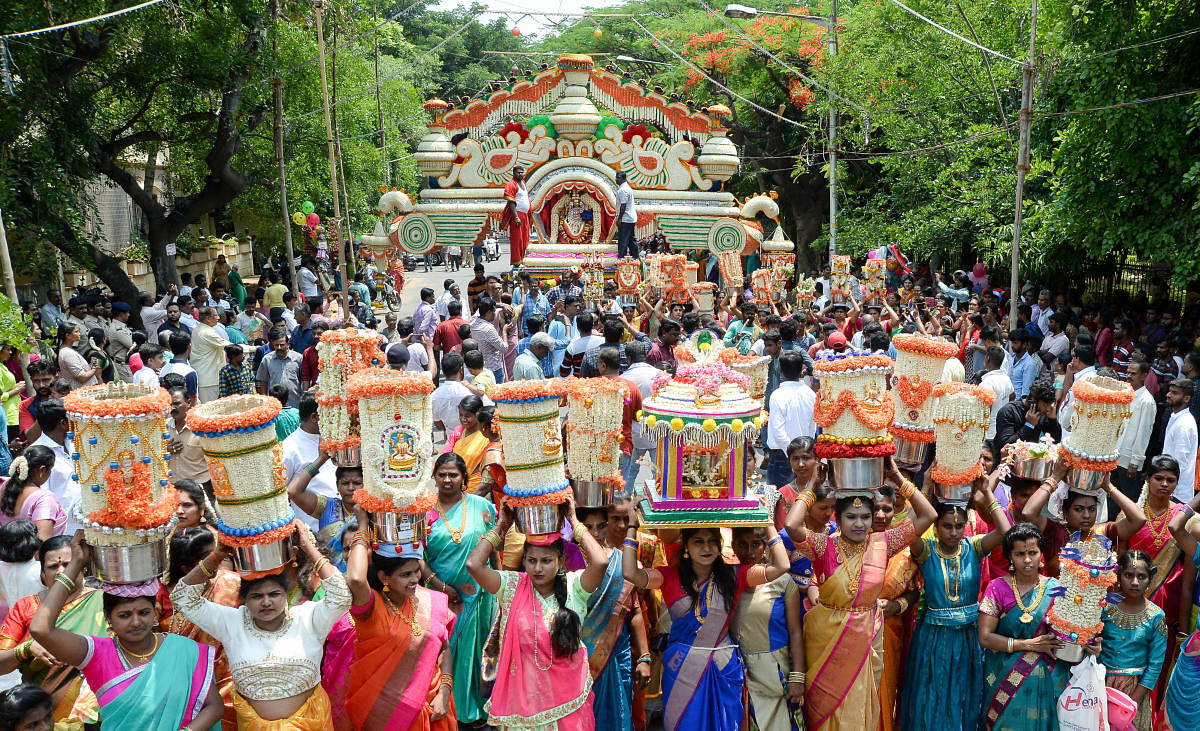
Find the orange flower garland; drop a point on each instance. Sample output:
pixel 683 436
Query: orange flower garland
pixel 372 504
pixel 942 477
pixel 986 395
pixel 1066 627
pixel 129 503
pixel 913 396
pixel 922 345
pixel 852 363
pixel 111 400
pixel 912 435
pixel 1073 460
pixel 385 382
pixel 1086 391
pixel 825 413
pixel 526 390
pixel 347 442
pixel 267 409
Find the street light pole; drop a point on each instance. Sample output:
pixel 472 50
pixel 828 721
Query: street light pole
pixel 746 12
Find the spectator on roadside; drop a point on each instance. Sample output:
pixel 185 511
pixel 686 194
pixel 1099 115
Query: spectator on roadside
pixel 662 352
pixel 1028 419
pixel 310 359
pixel 181 350
pixel 280 366
pixel 1181 436
pixel 425 319
pixel 288 420
pixel 450 392
pixel 152 363
pixel 446 336
pixel 998 381
pixel 492 344
pixel 236 376
pixel 451 294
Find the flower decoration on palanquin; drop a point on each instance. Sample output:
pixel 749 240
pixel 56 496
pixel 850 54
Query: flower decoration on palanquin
pixel 635 130
pixel 518 391
pixel 117 400
pixel 986 395
pixel 708 378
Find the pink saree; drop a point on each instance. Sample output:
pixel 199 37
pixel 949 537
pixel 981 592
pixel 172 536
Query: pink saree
pixel 529 694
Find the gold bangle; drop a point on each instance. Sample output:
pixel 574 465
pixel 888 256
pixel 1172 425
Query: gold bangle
pixel 493 538
pixel 807 497
pixel 22 651
pixel 320 565
pixel 204 569
pixel 903 604
pixel 907 488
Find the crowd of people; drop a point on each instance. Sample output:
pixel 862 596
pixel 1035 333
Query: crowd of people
pixel 893 612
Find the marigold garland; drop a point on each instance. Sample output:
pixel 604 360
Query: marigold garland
pixel 210 418
pixel 881 417
pixel 913 397
pixel 683 354
pixel 943 477
pixel 372 504
pixel 347 442
pixel 129 506
pixel 731 355
pixel 1073 460
pixel 923 345
pixel 384 382
pixel 912 435
pixel 984 394
pixel 112 400
pixel 1065 627
pixel 527 390
pixel 261 539
pixel 1087 390
pixel 852 363
pixel 582 388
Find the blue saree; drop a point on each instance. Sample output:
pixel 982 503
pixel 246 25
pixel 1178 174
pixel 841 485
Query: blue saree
pixel 610 657
pixel 946 637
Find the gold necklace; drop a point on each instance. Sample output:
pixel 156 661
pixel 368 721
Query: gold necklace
pixel 949 579
pixel 849 551
pixel 1027 611
pixel 141 658
pixel 410 620
pixel 708 595
pixel 455 535
pixel 1160 534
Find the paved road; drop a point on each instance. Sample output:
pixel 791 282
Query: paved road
pixel 414 280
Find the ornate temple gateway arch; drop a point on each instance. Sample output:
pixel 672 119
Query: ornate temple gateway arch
pixel 572 127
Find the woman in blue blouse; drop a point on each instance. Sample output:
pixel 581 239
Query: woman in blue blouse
pixel 1134 639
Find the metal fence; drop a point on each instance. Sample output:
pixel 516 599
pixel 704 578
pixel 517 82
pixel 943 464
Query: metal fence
pixel 1123 272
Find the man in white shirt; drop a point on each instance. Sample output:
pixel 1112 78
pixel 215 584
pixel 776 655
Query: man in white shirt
pixel 1131 446
pixel 452 294
pixel 1056 342
pixel 627 218
pixel 301 449
pixel 1180 438
pixel 208 355
pixel 52 419
pixel 791 409
pixel 449 394
pixel 998 381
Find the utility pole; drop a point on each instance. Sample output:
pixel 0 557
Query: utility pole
pixel 833 143
pixel 277 93
pixel 387 165
pixel 1026 118
pixel 335 228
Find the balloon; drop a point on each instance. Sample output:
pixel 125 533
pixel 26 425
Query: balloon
pixel 298 218
pixel 597 32
pixel 516 31
pixel 312 219
pixel 307 207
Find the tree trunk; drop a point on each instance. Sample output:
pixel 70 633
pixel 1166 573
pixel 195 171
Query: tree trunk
pixel 161 264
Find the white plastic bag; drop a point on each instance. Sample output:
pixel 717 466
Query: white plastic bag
pixel 1083 706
